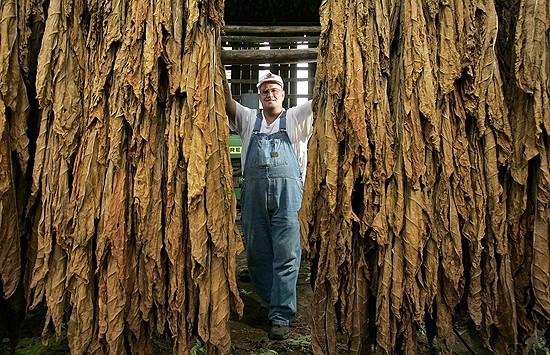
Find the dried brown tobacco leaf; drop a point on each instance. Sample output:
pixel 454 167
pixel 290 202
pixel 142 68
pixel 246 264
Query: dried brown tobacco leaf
pixel 384 340
pixel 50 269
pixel 137 73
pixel 323 156
pixel 525 133
pixel 532 57
pixel 323 327
pixel 115 304
pixel 59 87
pixel 526 98
pixel 374 37
pixel 444 321
pixel 13 91
pixel 540 273
pixel 431 270
pixel 358 294
pixel 449 283
pixel 138 332
pixel 147 126
pixel 492 121
pixel 55 290
pixel 448 52
pixel 10 259
pixel 329 195
pixel 14 113
pixel 449 195
pixel 176 233
pixel 418 126
pixel 503 287
pixel 451 244
pixel 397 287
pixel 413 231
pixel 82 331
pixel 419 89
pixel 179 285
pixel 475 229
pixel 85 204
pixel 214 239
pixel 115 261
pixel 89 181
pixel 529 118
pixel 148 207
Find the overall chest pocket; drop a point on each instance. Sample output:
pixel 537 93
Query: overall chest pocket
pixel 271 152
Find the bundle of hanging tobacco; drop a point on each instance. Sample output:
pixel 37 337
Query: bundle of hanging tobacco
pixel 131 177
pixel 426 202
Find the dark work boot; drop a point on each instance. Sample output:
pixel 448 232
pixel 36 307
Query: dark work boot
pixel 278 332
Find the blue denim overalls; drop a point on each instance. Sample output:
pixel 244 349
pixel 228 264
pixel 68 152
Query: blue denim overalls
pixel 271 198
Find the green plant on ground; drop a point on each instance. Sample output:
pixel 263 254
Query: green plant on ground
pixel 197 349
pixel 303 342
pixel 34 346
pixel 244 292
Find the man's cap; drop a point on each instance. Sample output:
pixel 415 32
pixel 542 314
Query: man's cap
pixel 269 77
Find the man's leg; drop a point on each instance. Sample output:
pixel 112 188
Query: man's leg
pixel 256 229
pixel 287 251
pixel 286 265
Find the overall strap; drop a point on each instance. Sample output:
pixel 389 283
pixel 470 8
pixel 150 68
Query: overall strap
pixel 282 122
pixel 258 123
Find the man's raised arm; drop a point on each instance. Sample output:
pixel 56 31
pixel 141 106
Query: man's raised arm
pixel 230 104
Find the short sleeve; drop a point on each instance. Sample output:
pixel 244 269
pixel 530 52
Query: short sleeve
pixel 243 118
pixel 300 122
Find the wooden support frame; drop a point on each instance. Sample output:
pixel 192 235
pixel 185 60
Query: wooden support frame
pixel 272 29
pixel 245 60
pixel 289 56
pixel 271 40
pixel 286 80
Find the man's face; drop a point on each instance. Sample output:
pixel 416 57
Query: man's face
pixel 271 96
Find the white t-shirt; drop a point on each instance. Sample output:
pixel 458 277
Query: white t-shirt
pixel 299 126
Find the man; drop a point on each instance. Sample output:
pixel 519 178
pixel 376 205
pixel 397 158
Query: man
pixel 274 148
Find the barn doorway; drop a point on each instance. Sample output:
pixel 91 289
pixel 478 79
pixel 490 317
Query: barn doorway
pixel 282 40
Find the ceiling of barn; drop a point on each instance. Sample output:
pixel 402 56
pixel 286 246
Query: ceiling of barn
pixel 269 13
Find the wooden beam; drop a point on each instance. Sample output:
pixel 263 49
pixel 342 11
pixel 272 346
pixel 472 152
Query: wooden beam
pixel 275 40
pixel 296 96
pixel 290 56
pixel 272 29
pixel 286 80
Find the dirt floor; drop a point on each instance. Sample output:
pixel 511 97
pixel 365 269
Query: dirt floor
pixel 248 336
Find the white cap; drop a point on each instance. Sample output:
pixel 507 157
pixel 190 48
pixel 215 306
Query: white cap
pixel 270 77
